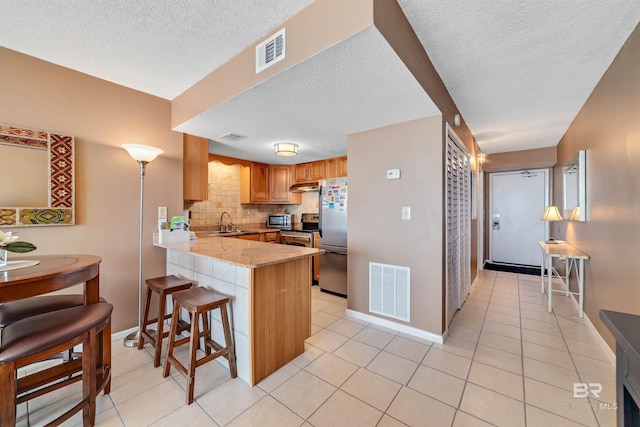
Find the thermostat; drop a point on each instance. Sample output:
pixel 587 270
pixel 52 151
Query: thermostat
pixel 393 174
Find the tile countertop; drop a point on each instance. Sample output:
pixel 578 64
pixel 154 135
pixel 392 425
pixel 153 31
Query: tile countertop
pixel 244 253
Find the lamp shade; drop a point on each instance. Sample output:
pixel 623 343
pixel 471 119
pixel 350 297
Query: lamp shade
pixel 142 153
pixel 575 214
pixel 286 149
pixel 551 214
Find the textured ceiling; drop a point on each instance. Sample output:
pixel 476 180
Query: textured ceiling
pixel 518 70
pixel 161 47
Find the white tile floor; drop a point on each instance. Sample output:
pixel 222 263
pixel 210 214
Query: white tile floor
pixel 507 362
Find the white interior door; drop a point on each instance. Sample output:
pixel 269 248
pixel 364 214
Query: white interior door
pixel 458 227
pixel 518 200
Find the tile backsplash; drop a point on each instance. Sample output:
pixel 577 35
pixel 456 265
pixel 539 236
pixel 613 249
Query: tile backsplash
pixel 224 196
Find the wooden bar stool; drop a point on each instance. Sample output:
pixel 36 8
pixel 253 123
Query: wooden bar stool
pixel 163 286
pixel 199 302
pixel 37 338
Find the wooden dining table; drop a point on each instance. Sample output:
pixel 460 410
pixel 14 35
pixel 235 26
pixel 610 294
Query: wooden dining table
pixel 54 273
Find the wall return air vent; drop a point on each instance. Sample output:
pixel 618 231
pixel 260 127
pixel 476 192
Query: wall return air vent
pixel 270 51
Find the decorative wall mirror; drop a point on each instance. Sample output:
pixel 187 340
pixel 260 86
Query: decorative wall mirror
pixel 574 176
pixel 38 178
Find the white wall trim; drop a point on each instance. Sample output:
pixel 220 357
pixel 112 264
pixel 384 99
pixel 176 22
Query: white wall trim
pixel 608 351
pixel 397 326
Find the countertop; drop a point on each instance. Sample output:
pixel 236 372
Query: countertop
pixel 245 253
pixel 625 328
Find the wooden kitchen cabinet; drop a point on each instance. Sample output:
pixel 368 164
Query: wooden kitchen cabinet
pixel 267 184
pixel 280 176
pixel 316 171
pixel 255 237
pixel 300 173
pixel 342 166
pixel 309 172
pixel 330 168
pixel 195 168
pixel 270 237
pixel 254 183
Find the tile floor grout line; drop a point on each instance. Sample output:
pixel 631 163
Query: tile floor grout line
pixel 466 381
pixel 524 388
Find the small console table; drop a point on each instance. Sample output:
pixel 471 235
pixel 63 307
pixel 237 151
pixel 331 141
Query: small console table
pixel 574 259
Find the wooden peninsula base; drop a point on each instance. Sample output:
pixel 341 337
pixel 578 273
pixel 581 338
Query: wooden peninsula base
pixel 270 291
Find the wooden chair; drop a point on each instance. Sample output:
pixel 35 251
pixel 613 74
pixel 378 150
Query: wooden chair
pixel 39 337
pixel 199 302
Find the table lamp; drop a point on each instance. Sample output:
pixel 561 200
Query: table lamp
pixel 551 214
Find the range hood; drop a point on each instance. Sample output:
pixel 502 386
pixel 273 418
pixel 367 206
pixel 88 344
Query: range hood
pixel 301 188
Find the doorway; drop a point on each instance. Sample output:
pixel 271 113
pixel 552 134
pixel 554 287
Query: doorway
pixel 517 201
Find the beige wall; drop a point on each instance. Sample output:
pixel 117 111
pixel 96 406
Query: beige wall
pixel 101 116
pixel 224 196
pixel 539 158
pixel 608 127
pixel 376 232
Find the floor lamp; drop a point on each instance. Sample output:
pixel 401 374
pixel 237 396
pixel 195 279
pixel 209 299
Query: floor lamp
pixel 142 154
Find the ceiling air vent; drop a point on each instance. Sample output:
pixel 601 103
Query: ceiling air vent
pixel 270 51
pixel 232 137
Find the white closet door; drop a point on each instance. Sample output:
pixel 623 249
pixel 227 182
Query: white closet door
pixel 458 230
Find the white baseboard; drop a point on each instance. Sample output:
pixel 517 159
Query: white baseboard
pixel 608 351
pixel 123 334
pixel 396 326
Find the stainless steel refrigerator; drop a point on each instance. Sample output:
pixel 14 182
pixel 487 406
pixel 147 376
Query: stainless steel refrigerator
pixel 333 198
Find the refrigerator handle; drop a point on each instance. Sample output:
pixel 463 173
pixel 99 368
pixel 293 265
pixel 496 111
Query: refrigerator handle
pixel 320 211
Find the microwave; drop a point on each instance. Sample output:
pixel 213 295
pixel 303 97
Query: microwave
pixel 279 220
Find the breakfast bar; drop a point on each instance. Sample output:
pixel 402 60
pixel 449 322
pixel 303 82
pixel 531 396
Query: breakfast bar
pixel 269 286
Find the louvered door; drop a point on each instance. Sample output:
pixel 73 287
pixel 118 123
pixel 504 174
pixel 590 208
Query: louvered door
pixel 458 236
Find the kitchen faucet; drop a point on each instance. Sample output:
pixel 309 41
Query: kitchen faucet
pixel 222 228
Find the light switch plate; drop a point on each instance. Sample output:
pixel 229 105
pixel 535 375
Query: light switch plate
pixel 406 213
pixel 162 212
pixel 393 174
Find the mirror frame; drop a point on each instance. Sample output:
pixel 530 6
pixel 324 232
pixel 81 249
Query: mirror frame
pixel 578 161
pixel 61 185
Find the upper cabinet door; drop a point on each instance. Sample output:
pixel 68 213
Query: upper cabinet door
pixel 341 167
pixel 301 173
pixel 280 183
pixel 330 168
pixel 259 183
pixel 316 171
pixel 195 168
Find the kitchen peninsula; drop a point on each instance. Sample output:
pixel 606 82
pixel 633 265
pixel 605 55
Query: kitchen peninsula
pixel 270 291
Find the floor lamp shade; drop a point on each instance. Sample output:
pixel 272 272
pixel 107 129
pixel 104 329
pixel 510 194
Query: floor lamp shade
pixel 143 154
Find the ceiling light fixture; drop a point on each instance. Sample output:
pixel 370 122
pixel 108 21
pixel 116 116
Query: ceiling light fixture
pixel 286 149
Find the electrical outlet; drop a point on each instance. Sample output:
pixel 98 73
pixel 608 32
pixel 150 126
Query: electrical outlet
pixel 162 212
pixel 406 213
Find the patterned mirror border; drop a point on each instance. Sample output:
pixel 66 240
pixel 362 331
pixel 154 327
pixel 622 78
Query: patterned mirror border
pixel 61 184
